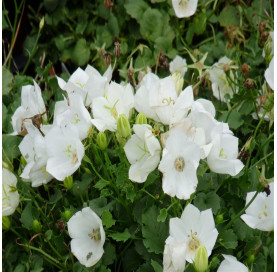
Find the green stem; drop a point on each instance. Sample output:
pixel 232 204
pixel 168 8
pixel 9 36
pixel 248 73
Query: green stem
pixel 239 214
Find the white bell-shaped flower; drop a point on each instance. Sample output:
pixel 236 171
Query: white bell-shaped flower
pixel 222 158
pixel 260 213
pixel 75 112
pixel 33 149
pixel 179 163
pixel 10 196
pixel 221 85
pixel 106 110
pixel 269 74
pixel 178 65
pixel 184 8
pixel 231 264
pixel 64 149
pixel 31 105
pixel 143 152
pixel 88 236
pixel 194 229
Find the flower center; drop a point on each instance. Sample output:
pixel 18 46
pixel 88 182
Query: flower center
pixel 183 3
pixel 263 212
pixel 194 243
pixel 95 235
pixel 72 154
pixel 179 164
pixel 76 119
pixel 168 101
pixel 222 155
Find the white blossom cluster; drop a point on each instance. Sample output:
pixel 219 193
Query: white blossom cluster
pixel 188 133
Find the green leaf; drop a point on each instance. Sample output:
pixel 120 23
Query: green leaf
pixel 4 22
pixel 136 8
pixel 252 245
pixel 235 120
pixel 151 24
pixel 228 16
pixel 228 239
pixel 162 216
pixel 121 236
pixel 199 23
pixel 157 267
pixel 109 255
pixel 81 53
pixel 7 79
pixel 10 146
pixel 206 201
pixel 151 227
pixel 99 205
pixel 27 217
pixel 113 25
pixel 107 219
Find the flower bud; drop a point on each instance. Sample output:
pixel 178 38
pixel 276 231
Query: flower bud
pixel 41 23
pixel 201 259
pixel 141 119
pixel 36 226
pixel 123 126
pixel 179 82
pixel 251 259
pixel 101 140
pixel 6 223
pixel 23 161
pixel 117 48
pixel 268 46
pixel 219 219
pixel 269 103
pixel 68 182
pixel 67 214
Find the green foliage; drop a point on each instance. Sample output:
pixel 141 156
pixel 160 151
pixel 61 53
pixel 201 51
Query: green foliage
pixel 228 17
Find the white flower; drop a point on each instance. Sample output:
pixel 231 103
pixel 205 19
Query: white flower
pixel 33 149
pixel 222 158
pixel 184 8
pixel 89 83
pixel 10 197
pixel 174 251
pixel 179 163
pixel 143 152
pixel 221 85
pixel 64 149
pixel 231 264
pixel 106 110
pixel 88 236
pixel 269 74
pixel 76 83
pixel 194 228
pixel 260 213
pixel 158 99
pixel 178 65
pixel 31 105
pixel 76 113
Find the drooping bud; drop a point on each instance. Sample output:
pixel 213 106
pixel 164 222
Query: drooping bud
pixel 117 48
pixel 262 26
pixel 67 215
pixel 41 23
pixel 179 82
pixel 6 223
pixel 201 259
pixel 249 83
pixel 123 126
pixel 141 119
pixel 130 73
pixel 68 182
pixel 101 140
pixel 107 57
pixel 245 70
pixel 36 226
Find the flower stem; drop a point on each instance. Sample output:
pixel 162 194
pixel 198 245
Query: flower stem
pixel 239 214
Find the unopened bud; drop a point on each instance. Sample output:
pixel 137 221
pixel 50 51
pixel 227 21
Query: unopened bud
pixel 226 67
pixel 41 23
pixel 201 259
pixel 141 119
pixel 219 219
pixel 6 223
pixel 269 102
pixel 251 259
pixel 36 226
pixel 101 140
pixel 141 75
pixel 68 182
pixel 264 36
pixel 130 73
pixel 268 47
pixel 117 48
pixel 179 82
pixel 248 144
pixel 67 215
pixel 123 126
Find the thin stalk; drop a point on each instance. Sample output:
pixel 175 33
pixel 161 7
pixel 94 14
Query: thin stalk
pixel 239 214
